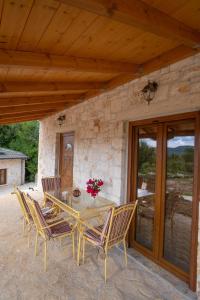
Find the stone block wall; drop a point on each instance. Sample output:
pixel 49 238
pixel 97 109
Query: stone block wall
pixel 101 125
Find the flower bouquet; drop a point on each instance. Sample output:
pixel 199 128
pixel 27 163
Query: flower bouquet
pixel 94 186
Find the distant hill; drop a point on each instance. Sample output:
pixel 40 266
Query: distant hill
pixel 179 150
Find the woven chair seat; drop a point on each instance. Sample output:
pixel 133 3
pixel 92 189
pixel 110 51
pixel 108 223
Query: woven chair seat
pixel 89 233
pixel 60 229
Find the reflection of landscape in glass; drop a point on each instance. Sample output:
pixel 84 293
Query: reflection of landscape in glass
pixel 180 161
pixel 146 188
pixel 178 197
pixel 178 191
pixel 147 157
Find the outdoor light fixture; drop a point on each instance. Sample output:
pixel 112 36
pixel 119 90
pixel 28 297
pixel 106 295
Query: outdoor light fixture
pixel 149 90
pixel 61 120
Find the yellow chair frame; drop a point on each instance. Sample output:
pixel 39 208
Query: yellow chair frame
pixel 109 243
pixel 27 222
pixel 40 231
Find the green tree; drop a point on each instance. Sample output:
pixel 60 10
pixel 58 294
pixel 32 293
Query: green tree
pixel 188 157
pixel 175 164
pixel 147 158
pixel 23 137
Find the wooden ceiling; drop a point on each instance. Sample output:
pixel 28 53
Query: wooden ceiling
pixel 57 53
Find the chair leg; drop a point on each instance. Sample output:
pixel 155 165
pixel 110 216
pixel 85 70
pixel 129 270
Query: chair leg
pixel 73 245
pixel 83 257
pixel 36 244
pixel 77 236
pixel 125 252
pixel 79 249
pixel 28 232
pixel 45 255
pixel 105 267
pixel 24 224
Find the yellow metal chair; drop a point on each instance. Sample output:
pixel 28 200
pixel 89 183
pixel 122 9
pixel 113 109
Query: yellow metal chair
pixel 48 213
pixel 27 218
pixel 52 183
pixel 56 229
pixel 113 232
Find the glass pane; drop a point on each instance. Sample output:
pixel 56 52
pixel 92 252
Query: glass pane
pixel 147 146
pixel 179 193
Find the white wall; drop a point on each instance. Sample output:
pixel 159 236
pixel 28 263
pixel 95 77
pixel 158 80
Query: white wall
pixel 15 170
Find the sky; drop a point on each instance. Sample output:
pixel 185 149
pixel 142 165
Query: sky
pixel 173 143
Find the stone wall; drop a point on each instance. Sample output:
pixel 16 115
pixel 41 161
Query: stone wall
pixel 15 170
pixel 101 125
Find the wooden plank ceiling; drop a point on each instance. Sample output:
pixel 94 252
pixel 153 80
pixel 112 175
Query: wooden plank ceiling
pixel 57 53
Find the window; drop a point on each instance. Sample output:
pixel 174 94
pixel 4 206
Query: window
pixel 3 176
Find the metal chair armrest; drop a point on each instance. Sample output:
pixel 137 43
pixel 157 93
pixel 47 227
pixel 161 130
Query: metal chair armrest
pixel 89 226
pixel 56 223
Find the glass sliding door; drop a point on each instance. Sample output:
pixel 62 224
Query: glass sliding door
pixel 164 159
pixel 146 182
pixel 179 193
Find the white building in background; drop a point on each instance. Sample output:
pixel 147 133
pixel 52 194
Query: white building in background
pixel 12 167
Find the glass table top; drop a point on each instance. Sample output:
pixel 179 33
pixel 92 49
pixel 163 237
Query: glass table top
pixel 82 204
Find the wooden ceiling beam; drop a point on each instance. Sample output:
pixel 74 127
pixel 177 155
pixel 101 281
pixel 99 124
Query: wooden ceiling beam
pixel 26 114
pixel 161 61
pixel 152 65
pixel 34 108
pixel 27 86
pixel 41 94
pixel 29 101
pixel 138 14
pixel 41 61
pixel 14 120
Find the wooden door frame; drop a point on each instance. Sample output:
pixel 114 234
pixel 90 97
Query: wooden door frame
pixel 132 184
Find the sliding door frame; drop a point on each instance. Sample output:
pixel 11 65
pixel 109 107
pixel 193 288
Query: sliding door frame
pixel 155 255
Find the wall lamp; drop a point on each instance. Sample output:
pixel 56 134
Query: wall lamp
pixel 149 91
pixel 61 120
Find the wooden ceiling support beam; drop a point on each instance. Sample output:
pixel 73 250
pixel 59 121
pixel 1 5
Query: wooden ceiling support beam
pixel 152 65
pixel 41 61
pixel 22 119
pixel 37 88
pixel 29 101
pixel 34 108
pixel 27 114
pixel 168 58
pixel 41 94
pixel 161 61
pixel 138 14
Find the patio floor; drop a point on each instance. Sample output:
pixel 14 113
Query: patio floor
pixel 22 275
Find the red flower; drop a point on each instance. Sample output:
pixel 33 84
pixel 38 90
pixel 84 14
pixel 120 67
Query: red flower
pixel 93 194
pixel 100 182
pixel 89 189
pixel 94 186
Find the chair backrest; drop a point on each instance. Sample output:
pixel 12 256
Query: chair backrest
pixel 119 223
pixel 38 217
pixel 23 204
pixel 51 183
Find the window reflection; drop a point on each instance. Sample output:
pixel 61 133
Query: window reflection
pixel 146 186
pixel 179 193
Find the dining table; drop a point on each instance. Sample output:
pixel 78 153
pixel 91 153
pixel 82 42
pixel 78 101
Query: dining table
pixel 82 208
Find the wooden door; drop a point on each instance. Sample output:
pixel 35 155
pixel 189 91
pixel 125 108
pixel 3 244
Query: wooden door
pixel 66 159
pixel 164 163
